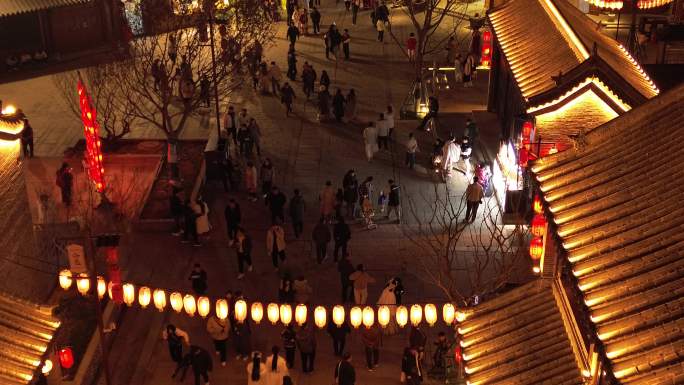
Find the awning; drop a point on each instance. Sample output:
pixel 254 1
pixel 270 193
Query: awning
pixel 16 7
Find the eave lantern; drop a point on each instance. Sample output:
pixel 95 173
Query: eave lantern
pixel 240 310
pixel 536 248
pixel 538 225
pixel 257 311
pixel 320 316
pixel 537 206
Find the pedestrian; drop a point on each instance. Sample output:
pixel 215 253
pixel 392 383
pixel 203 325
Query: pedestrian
pixel 230 124
pixel 287 97
pixel 356 5
pixel 275 243
pixel 452 50
pixel 175 337
pixel 346 269
pixel 176 208
pixel 219 331
pixel 267 176
pixel 350 187
pixel 469 70
pixel 350 106
pixel 433 110
pixel 276 203
pixel 291 64
pixel 204 91
pixel 442 347
pixel 190 221
pixel 389 117
pixel 361 280
pixel 306 343
pixel 370 139
pixel 256 370
pixel 316 20
pixel 276 368
pixel 201 363
pixel 286 289
pixel 27 139
pixel 321 237
pixel 251 181
pixel 308 79
pixel 327 201
pixel 411 368
pixel 292 35
pixel 302 290
pixel 471 131
pixel 344 371
pixel 411 149
pixel 198 277
pixel 297 208
pixel 245 139
pixel 255 134
pixel 323 103
pixel 342 235
pixel 243 248
pixel 366 189
pixel 346 38
pixel 243 118
pixel 338 105
pixel 382 125
pixel 466 152
pixel 304 22
pixel 371 342
pixel 334 39
pixel 242 333
pixel 393 200
pixel 65 182
pixel 458 68
pixel 411 44
pixel 380 27
pixel 172 47
pixel 417 340
pixel 289 337
pixel 339 336
pixel 474 194
pixel 227 172
pixel 324 80
pixel 202 210
pixel 275 75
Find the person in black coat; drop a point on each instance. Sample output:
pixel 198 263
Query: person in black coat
pixel 276 202
pixel 339 336
pixel 338 105
pixel 233 217
pixel 292 34
pixel 292 64
pixel 351 191
pixel 201 363
pixel 321 237
pixel 342 235
pixel 411 367
pixel 344 371
pixel 345 268
pixel 198 277
pixel 316 20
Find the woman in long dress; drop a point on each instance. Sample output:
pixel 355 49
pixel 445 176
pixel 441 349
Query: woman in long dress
pixel 389 299
pixel 202 209
pixel 256 370
pixel 276 368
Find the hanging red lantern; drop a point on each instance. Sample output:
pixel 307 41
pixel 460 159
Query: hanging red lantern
pixel 537 205
pixel 538 225
pixel 523 156
pixel 458 353
pixel 536 248
pixel 527 129
pixel 66 358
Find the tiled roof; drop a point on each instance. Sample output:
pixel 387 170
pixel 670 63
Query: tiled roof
pixel 542 38
pixel 518 338
pixel 617 204
pixel 15 7
pixel 25 332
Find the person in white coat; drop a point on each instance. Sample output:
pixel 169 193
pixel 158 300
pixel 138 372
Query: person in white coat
pixel 256 370
pixel 370 138
pixel 388 298
pixel 202 209
pixel 451 154
pixel 276 368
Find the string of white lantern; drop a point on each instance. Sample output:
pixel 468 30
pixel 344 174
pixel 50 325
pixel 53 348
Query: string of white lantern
pixel 274 312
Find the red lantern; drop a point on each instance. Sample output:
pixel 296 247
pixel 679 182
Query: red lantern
pixel 523 157
pixel 458 354
pixel 486 53
pixel 527 129
pixel 537 206
pixel 66 358
pixel 536 248
pixel 538 225
pixel 91 132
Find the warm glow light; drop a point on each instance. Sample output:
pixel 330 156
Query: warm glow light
pixel 572 92
pixel 240 310
pixel 65 279
pixel 83 284
pixel 128 294
pixel 430 314
pixel 338 315
pixel 536 248
pixel 402 316
pixel 384 316
pixel 144 296
pixel 221 309
pixel 355 316
pixel 368 317
pixel 203 306
pixel 189 305
pixel 285 314
pixel 176 301
pixel 448 313
pixel 536 270
pixel 257 311
pixel 416 315
pixel 538 226
pixel 101 286
pixel 537 206
pixel 576 44
pixel 9 110
pixel 320 316
pixel 46 368
pixel 460 316
pixel 300 314
pixel 159 297
pixel 273 313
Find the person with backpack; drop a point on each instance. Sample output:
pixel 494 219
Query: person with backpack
pixel 65 182
pixel 219 331
pixel 243 247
